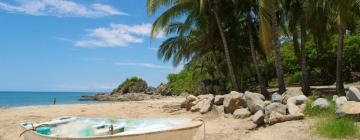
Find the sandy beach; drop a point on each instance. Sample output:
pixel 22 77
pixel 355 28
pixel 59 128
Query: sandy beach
pixel 217 126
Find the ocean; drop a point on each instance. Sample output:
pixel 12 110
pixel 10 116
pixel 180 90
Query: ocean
pixel 25 98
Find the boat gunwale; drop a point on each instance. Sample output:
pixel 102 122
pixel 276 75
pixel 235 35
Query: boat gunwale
pixel 192 125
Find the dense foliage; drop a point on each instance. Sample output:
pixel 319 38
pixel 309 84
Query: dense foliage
pixel 242 45
pixel 130 82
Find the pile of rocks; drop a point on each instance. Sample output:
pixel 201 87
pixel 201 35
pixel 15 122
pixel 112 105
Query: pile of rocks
pixel 251 105
pixel 349 105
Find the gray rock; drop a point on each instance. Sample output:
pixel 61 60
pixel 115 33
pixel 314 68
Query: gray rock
pixel 353 94
pixel 275 107
pixel 294 103
pixel 241 113
pixel 258 117
pixel 291 92
pixel 219 99
pixel 207 104
pixel 253 102
pixel 276 97
pixel 232 101
pixel 335 97
pixel 320 103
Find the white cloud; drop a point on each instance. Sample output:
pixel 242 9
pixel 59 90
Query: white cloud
pixel 91 86
pixel 60 8
pixel 145 65
pixel 116 35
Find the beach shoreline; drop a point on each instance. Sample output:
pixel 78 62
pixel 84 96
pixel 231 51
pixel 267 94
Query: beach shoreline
pixel 218 126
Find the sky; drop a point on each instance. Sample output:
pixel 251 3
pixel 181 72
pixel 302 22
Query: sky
pixel 77 45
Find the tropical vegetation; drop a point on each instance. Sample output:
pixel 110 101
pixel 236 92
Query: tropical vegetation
pixel 257 44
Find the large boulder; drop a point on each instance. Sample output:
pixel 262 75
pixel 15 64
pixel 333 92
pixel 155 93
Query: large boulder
pixel 258 117
pixel 320 103
pixel 232 101
pixel 275 107
pixel 294 103
pixel 253 102
pixel 241 113
pixel 207 104
pixel 219 99
pixel 163 89
pixel 291 92
pixel 350 109
pixel 353 94
pixel 132 85
pixel 276 97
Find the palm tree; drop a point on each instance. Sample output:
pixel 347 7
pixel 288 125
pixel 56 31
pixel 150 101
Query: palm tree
pixel 268 16
pixel 297 19
pixel 346 11
pixel 215 9
pixel 193 9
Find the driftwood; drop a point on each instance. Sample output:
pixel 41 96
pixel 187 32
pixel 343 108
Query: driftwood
pixel 277 118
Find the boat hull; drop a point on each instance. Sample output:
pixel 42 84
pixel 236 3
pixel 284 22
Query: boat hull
pixel 184 132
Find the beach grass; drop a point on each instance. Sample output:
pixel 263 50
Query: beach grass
pixel 337 128
pixel 317 112
pixel 328 124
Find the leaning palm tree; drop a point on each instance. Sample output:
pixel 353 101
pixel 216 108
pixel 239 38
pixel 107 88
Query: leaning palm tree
pixel 214 6
pixel 190 8
pixel 269 35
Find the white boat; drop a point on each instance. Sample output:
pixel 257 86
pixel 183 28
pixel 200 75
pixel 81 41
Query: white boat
pixel 77 128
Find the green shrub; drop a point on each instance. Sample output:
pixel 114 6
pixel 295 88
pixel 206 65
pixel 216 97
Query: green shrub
pixel 130 81
pixel 337 128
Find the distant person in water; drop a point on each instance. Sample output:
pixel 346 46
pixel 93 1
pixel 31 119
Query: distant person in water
pixel 54 101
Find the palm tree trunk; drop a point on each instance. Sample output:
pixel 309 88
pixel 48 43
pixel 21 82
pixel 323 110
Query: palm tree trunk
pixel 260 78
pixel 226 48
pixel 276 48
pixel 304 73
pixel 339 60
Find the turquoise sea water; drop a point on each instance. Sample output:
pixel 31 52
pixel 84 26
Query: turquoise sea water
pixel 24 98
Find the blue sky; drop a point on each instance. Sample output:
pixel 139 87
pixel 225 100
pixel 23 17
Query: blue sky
pixel 80 45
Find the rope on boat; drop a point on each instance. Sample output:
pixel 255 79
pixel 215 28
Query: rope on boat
pixel 33 129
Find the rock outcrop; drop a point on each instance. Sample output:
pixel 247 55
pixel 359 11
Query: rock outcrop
pixel 163 89
pixel 132 85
